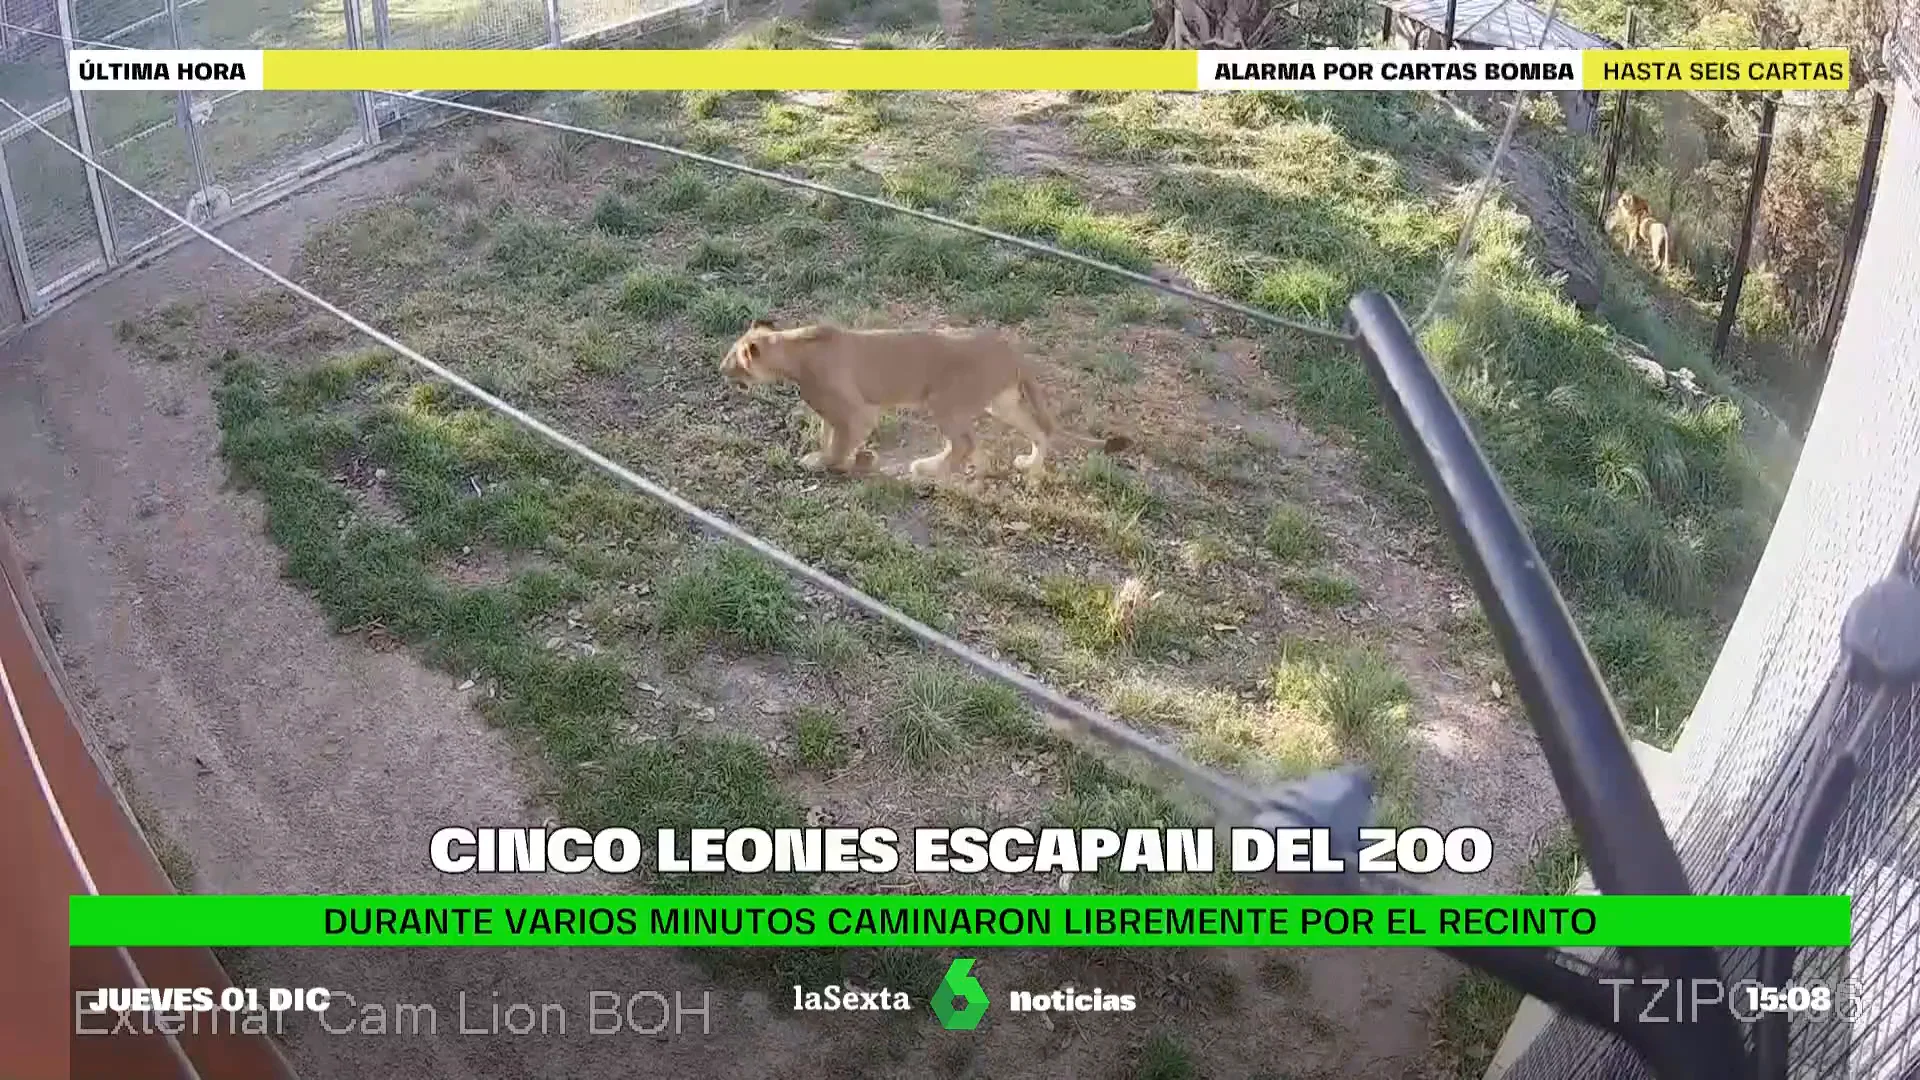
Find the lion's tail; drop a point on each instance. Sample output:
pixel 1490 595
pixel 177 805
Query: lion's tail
pixel 1035 401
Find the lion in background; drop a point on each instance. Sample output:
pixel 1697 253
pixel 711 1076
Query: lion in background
pixel 849 377
pixel 1643 229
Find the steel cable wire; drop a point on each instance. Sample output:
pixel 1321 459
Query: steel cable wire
pixel 1452 265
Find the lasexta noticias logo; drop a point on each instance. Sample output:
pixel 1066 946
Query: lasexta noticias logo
pixel 960 1002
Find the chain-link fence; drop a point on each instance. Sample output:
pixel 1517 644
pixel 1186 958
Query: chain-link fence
pixel 1749 755
pixel 210 154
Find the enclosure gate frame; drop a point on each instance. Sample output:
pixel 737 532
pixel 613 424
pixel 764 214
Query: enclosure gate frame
pixel 83 138
pixel 11 232
pixel 183 112
pixel 362 101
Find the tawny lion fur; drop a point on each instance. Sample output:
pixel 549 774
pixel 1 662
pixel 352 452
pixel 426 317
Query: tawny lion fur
pixel 1644 229
pixel 849 377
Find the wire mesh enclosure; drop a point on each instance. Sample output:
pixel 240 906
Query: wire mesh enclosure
pixel 1749 755
pixel 510 24
pixel 208 155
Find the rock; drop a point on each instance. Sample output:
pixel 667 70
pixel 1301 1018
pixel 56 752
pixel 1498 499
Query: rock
pixel 1584 290
pixel 1648 368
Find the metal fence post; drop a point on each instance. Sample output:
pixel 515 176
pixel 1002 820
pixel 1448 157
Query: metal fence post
pixel 15 238
pixel 554 37
pixel 1617 138
pixel 1756 189
pixel 362 101
pixel 83 136
pixel 1856 229
pixel 384 109
pixel 183 109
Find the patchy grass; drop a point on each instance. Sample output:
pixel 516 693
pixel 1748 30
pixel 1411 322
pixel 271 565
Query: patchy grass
pixel 731 594
pixel 1322 589
pixel 1162 1057
pixel 1359 699
pixel 922 721
pixel 1476 1012
pixel 369 495
pixel 1473 1017
pixel 1119 488
pixel 820 739
pixel 159 335
pixel 654 294
pixel 1126 619
pixel 1291 535
pixel 677 256
pixel 937 711
pixel 830 646
pixel 1651 514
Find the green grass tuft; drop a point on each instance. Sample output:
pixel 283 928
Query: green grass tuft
pixel 715 253
pixel 654 294
pixel 1129 619
pixel 1163 1058
pixel 1321 589
pixel 1291 535
pixel 724 313
pixel 734 594
pixel 922 719
pixel 617 215
pixel 820 739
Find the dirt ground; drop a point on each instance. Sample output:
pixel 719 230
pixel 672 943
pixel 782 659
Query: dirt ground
pixel 282 758
pixel 279 757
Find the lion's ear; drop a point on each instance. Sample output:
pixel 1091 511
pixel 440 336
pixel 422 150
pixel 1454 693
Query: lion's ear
pixel 750 352
pixel 761 324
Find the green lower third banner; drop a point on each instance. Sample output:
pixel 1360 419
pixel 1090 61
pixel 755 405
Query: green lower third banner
pixel 815 921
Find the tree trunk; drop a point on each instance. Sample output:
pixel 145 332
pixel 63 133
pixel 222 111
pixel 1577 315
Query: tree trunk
pixel 1256 24
pixel 1221 24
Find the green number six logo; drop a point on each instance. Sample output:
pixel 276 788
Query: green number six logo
pixel 960 1001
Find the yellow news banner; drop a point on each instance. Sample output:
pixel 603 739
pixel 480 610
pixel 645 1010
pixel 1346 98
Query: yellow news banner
pixel 1031 69
pixel 728 69
pixel 1715 69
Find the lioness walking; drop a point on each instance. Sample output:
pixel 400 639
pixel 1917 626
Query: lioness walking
pixel 848 377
